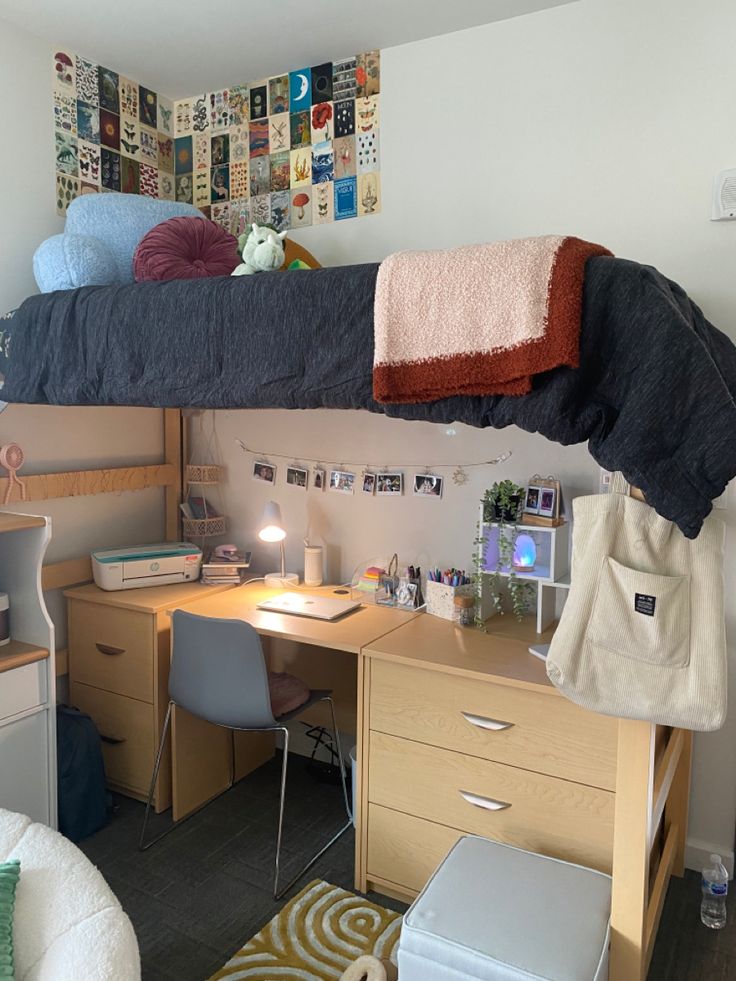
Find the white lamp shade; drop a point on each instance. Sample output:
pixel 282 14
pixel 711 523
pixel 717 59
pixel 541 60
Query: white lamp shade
pixel 272 526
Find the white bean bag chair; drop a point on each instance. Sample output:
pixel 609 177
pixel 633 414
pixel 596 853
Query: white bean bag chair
pixel 68 925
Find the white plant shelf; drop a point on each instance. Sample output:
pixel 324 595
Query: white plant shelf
pixel 551 571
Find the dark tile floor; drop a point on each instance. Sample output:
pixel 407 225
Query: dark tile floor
pixel 197 896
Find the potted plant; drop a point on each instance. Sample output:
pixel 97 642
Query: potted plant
pixel 502 502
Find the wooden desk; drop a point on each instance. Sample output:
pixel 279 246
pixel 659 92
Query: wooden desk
pixel 207 759
pixel 349 634
pixel 461 732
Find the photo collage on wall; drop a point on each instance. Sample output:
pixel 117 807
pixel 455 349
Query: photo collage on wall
pixel 297 149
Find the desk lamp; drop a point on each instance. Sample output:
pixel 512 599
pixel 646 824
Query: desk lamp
pixel 272 530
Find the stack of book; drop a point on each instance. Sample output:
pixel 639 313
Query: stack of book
pixel 230 570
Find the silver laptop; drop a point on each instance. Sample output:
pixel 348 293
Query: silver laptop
pixel 306 605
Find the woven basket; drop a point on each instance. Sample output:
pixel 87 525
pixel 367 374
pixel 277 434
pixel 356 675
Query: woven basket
pixel 204 527
pixel 204 473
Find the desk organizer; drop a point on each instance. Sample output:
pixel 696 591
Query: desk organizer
pixel 440 599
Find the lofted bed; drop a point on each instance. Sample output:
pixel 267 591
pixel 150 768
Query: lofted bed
pixel 653 394
pixel 654 397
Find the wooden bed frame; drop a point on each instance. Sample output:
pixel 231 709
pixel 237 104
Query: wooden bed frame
pixel 78 483
pixel 649 833
pixel 652 791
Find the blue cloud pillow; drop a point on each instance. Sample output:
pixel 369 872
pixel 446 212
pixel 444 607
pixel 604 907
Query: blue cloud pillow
pixel 64 262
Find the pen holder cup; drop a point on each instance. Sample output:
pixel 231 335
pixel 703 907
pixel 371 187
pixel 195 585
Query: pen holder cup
pixel 440 599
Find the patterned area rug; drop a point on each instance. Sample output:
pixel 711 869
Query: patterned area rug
pixel 315 937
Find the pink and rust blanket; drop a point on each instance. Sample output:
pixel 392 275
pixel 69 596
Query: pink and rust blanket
pixel 479 320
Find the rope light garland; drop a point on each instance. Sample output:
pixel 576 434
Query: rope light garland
pixel 460 475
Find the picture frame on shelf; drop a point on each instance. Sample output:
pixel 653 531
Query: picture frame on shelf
pixel 543 501
pixel 318 479
pixel 548 503
pixel 531 499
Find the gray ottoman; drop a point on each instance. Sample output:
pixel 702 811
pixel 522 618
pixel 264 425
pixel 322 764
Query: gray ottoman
pixel 492 911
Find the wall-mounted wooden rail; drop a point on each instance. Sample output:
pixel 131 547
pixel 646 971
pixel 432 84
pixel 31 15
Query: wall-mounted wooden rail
pixel 61 575
pixel 82 483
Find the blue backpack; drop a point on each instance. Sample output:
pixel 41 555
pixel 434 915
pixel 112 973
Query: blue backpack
pixel 83 797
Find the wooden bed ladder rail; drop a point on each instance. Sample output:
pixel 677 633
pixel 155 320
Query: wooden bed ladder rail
pixel 652 791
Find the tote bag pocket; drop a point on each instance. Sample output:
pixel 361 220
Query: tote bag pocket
pixel 641 615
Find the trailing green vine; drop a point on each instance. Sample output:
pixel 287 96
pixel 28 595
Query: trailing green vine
pixel 502 504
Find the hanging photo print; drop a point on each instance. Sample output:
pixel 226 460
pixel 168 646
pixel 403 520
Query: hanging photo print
pixel 342 481
pixel 428 485
pixel 297 477
pixel 369 483
pixel 390 483
pixel 265 472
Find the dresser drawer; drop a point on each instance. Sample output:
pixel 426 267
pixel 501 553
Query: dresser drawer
pixel 22 688
pixel 545 733
pixel 127 730
pixel 405 850
pixel 532 810
pixel 111 649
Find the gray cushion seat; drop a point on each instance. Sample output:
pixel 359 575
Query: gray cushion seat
pixel 492 912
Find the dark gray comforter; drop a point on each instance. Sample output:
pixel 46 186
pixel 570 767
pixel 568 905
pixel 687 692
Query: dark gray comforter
pixel 654 395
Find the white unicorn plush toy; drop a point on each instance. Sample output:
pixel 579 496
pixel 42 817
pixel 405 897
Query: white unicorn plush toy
pixel 262 250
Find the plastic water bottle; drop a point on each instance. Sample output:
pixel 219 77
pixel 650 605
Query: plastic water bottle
pixel 715 889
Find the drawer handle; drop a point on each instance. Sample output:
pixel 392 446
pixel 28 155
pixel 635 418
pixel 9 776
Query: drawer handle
pixel 487 803
pixel 107 649
pixel 483 723
pixel 111 740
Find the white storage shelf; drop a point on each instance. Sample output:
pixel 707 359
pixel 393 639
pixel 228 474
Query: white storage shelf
pixel 27 674
pixel 551 569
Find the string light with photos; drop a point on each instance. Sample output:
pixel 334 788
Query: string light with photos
pixel 460 474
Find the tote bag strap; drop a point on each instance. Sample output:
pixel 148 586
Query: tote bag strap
pixel 619 484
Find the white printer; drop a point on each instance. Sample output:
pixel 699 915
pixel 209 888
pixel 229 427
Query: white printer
pixel 146 565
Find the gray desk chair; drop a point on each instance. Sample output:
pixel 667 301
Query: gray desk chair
pixel 219 674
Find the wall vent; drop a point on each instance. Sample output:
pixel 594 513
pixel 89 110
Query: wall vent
pixel 724 196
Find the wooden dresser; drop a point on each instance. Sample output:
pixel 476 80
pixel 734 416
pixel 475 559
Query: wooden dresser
pixel 460 732
pixel 118 673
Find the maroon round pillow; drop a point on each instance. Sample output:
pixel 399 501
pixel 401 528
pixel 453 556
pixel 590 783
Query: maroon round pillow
pixel 186 247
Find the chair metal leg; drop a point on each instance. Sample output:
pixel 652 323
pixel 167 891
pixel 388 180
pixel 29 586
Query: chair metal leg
pixel 154 778
pixel 278 893
pixel 282 801
pixel 338 747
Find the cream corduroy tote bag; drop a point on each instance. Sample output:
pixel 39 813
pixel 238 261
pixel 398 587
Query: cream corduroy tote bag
pixel 642 635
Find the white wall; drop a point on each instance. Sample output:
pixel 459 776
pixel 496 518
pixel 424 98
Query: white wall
pixel 605 119
pixel 57 439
